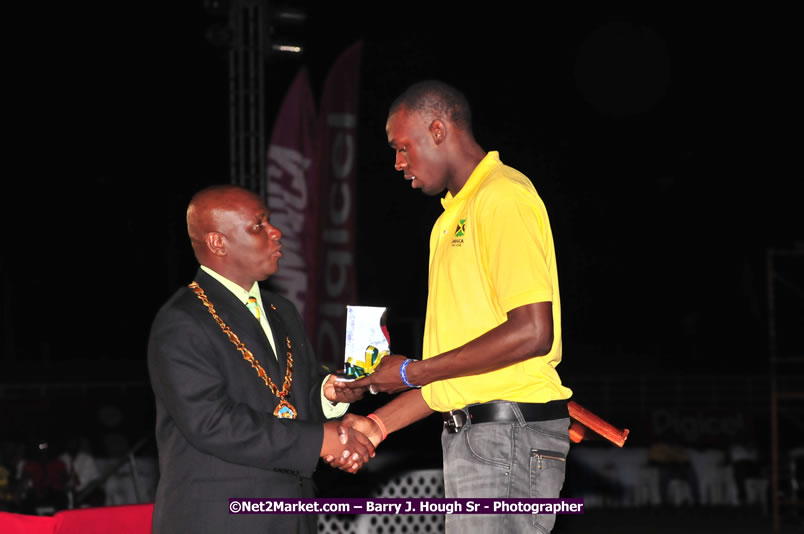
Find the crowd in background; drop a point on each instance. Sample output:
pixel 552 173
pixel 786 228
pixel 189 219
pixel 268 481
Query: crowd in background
pixel 43 476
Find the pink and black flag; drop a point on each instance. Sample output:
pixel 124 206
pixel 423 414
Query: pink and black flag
pixel 293 196
pixel 336 165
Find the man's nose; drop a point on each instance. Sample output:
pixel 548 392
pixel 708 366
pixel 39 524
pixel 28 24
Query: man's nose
pixel 400 162
pixel 274 232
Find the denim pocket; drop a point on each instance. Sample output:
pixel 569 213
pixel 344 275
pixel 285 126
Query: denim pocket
pixel 542 456
pixel 490 443
pixel 547 468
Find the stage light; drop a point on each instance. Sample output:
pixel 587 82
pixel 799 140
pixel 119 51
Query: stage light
pixel 284 32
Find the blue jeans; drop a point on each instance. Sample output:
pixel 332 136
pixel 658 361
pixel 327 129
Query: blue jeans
pixel 505 460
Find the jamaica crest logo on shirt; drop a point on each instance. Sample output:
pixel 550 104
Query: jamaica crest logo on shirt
pixel 460 231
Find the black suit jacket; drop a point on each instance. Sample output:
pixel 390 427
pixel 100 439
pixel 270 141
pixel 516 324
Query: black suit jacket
pixel 215 430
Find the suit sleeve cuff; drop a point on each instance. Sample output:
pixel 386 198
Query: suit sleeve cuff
pixel 332 411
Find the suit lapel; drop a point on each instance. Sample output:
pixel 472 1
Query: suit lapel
pixel 281 335
pixel 241 321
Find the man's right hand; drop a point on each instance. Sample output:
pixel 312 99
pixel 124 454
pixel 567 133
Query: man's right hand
pixel 344 446
pixel 365 426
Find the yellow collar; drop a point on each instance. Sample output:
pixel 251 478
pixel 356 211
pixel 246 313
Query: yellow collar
pixel 236 290
pixel 491 160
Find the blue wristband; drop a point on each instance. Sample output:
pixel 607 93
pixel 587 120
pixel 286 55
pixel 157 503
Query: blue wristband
pixel 404 375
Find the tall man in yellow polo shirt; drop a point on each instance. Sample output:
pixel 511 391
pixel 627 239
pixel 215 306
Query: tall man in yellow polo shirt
pixel 492 336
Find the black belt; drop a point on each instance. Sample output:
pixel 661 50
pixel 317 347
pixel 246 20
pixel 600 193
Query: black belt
pixel 503 412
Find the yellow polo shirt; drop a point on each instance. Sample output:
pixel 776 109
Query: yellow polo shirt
pixel 491 251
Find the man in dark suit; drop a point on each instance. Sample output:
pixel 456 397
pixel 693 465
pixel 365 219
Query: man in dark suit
pixel 241 410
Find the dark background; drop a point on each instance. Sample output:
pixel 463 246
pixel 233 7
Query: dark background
pixel 659 138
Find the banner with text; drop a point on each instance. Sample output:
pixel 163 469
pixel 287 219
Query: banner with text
pixel 293 196
pixel 336 166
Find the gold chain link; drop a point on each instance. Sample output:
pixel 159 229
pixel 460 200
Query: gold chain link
pixel 247 355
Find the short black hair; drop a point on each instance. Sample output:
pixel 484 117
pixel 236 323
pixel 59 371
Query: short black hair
pixel 436 98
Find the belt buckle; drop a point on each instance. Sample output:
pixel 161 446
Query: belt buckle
pixel 454 420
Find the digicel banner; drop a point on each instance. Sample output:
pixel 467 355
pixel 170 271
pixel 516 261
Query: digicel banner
pixel 293 198
pixel 335 165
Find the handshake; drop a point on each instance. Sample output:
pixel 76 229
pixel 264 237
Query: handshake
pixel 350 442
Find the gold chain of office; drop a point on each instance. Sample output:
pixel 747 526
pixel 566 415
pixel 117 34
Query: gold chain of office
pixel 284 410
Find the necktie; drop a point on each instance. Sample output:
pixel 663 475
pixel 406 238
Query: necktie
pixel 255 310
pixel 254 307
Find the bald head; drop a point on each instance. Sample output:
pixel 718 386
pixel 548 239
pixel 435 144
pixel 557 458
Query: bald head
pixel 230 233
pixel 206 213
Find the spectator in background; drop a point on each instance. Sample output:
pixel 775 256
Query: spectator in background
pixel 745 464
pixel 81 471
pixel 673 463
pixel 7 478
pixel 13 453
pixel 44 479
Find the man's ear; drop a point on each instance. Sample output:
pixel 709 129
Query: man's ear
pixel 216 243
pixel 438 131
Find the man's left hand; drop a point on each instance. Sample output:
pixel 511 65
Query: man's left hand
pixel 385 378
pixel 333 393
